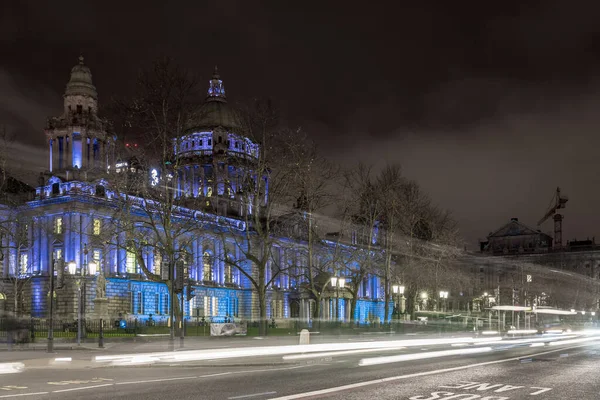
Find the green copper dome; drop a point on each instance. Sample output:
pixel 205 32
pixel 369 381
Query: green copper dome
pixel 216 112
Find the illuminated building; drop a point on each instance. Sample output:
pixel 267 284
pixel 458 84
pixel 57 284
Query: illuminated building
pixel 66 223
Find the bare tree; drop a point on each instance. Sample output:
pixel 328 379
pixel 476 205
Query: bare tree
pixel 431 243
pixel 152 216
pixel 363 210
pixel 14 227
pixel 313 179
pixel 264 197
pixel 390 184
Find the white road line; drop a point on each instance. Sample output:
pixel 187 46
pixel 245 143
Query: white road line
pixel 250 395
pixel 81 388
pixel 415 375
pixel 156 380
pixel 208 376
pixel 22 394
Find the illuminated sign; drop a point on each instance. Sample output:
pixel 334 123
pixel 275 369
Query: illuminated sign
pixel 154 177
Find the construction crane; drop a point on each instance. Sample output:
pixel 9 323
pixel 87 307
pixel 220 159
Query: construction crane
pixel 559 202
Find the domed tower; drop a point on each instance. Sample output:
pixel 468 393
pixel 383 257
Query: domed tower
pixel 79 140
pixel 216 161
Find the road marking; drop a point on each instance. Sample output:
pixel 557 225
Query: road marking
pixel 250 395
pixel 408 376
pixel 22 394
pixel 63 359
pixel 79 382
pixel 157 380
pixel 208 376
pixel 540 391
pixel 82 388
pixel 12 387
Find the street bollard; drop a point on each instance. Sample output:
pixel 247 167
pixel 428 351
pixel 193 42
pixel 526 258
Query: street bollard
pixel 304 336
pixel 32 331
pixel 101 334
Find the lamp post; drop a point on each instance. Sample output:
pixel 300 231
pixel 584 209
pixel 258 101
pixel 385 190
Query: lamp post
pixel 91 269
pixel 337 283
pixel 50 348
pixel 443 297
pixel 424 297
pixel 399 290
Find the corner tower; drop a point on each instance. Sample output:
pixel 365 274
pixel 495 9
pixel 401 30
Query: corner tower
pixel 79 140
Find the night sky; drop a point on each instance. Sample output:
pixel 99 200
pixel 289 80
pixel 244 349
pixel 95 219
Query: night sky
pixel 489 109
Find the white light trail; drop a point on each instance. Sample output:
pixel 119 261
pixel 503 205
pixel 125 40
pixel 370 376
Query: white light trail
pixel 215 354
pixel 420 356
pixel 11 368
pixel 335 353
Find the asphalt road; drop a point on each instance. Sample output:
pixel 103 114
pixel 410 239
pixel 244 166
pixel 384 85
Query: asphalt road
pixel 549 372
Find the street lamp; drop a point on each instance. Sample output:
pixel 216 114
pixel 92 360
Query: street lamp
pixel 72 266
pixel 337 283
pixel 92 267
pixel 399 290
pixel 443 296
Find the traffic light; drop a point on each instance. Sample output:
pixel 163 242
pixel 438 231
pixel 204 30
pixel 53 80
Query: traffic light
pixel 60 273
pixel 179 276
pixel 191 292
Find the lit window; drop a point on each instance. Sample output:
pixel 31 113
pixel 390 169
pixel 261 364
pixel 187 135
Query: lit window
pixel 96 256
pixel 97 226
pixel 215 306
pixel 211 306
pixel 165 303
pixel 229 273
pixel 157 262
pixel 206 306
pixel 58 254
pixel 130 263
pixel 23 261
pixel 207 266
pixel 209 191
pixel 140 303
pixel 58 225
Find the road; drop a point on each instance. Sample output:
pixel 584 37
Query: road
pixel 502 372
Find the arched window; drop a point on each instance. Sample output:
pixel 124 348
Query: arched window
pixel 2 296
pixel 207 261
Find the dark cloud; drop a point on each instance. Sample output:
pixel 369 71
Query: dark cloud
pixel 489 106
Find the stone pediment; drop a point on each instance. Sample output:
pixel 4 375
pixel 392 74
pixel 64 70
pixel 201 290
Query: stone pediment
pixel 514 228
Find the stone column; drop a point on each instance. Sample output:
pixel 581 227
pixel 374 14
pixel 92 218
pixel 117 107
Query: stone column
pixel 122 255
pixel 219 265
pixel 84 151
pixel 193 183
pixel 51 156
pixel 68 149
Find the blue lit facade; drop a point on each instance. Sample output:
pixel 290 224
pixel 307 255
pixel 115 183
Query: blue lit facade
pixel 72 211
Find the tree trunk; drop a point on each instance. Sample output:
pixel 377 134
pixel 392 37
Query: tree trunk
pixel 388 262
pixel 353 302
pixel 317 311
pixel 411 303
pixel 262 311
